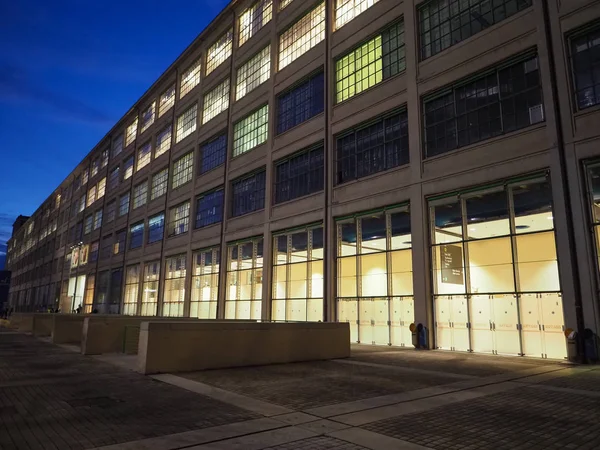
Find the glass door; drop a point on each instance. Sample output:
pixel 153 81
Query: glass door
pixel 505 316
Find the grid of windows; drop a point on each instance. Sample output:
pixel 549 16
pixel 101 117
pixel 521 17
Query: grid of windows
pixel 248 194
pixel 496 102
pixel 140 194
pixel 117 145
pixel 136 235
pixel 302 36
pixel 190 78
pixel 209 208
pixel 128 168
pixel 167 100
pixel 346 10
pixel 444 23
pixel 111 210
pixel 98 219
pixel 132 285
pixel 372 148
pixel 244 279
pixel 219 51
pixel 186 123
pixel 585 51
pixel 255 72
pixel 374 61
pixel 179 219
pixel 183 170
pixel 150 289
pixel 124 204
pixel 213 153
pixel 163 141
pixel 254 18
pixel 143 156
pixel 216 101
pixel 159 184
pixel 148 116
pixel 174 294
pixel 299 175
pixel 156 228
pixel 87 225
pixel 113 178
pixel 251 131
pixel 131 132
pixel 205 284
pixel 301 103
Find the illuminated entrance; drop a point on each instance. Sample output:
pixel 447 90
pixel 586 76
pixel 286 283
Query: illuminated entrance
pixel 374 276
pixel 495 271
pixel 75 294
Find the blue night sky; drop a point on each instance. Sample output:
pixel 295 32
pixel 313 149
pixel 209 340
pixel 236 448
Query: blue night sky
pixel 69 69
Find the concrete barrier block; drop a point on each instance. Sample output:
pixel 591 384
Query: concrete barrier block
pixel 42 324
pixel 67 328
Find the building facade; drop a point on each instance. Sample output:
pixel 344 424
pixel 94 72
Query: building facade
pixel 373 161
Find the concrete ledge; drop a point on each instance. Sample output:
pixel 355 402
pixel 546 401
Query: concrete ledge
pixel 189 346
pixel 42 324
pixel 67 328
pixel 22 322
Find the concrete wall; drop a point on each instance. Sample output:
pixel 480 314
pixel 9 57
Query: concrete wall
pixel 22 322
pixel 188 346
pixel 42 324
pixel 67 328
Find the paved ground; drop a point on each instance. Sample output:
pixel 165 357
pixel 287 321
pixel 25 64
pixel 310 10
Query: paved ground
pixel 381 398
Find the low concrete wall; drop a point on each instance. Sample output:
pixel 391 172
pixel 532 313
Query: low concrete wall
pixel 22 322
pixel 189 346
pixel 67 328
pixel 42 324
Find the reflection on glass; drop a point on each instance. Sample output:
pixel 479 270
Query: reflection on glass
pixel 487 215
pixel 448 222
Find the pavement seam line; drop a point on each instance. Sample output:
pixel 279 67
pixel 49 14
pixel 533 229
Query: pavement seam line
pixel 406 369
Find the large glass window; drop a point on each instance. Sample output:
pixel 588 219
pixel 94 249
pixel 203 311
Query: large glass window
pixel 117 145
pixel 300 103
pixel 124 204
pixel 156 228
pixel 209 208
pixel 496 102
pixel 148 116
pixel 374 276
pixel 248 194
pixel 372 148
pixel 254 18
pixel 244 279
pixel 219 51
pixel 166 101
pixel 150 289
pixel 174 293
pixel 88 299
pixel 136 235
pixel 97 219
pixel 302 36
pixel 87 225
pixel 205 284
pixel 190 78
pixel 444 23
pixel 131 132
pixel 299 175
pixel 593 176
pixel 183 170
pixel 495 271
pixel 143 156
pixel 119 242
pixel 379 59
pixel 216 101
pixel 140 194
pixel 254 73
pixel 132 286
pixel 179 219
pixel 585 51
pixel 113 178
pixel 111 209
pixel 213 153
pixel 91 196
pixel 163 141
pixel 298 275
pixel 101 188
pixel 251 131
pixel 159 184
pixel 346 10
pixel 186 123
pixel 128 168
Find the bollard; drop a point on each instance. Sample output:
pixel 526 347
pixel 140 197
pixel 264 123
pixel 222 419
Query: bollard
pixel 571 336
pixel 415 336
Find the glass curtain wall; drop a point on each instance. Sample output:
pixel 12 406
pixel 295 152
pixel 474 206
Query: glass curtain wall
pixel 150 289
pixel 205 284
pixel 495 271
pixel 132 286
pixel 88 300
pixel 374 276
pixel 174 294
pixel 244 279
pixel 298 275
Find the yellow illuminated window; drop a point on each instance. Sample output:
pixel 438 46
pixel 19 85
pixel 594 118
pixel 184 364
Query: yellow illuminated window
pixel 167 100
pixel 143 156
pixel 244 280
pixel 251 131
pixel 254 18
pixel 302 36
pixel 148 117
pixel 255 72
pixel 132 285
pixel 150 289
pixel 346 10
pixel 216 101
pixel 131 132
pixel 163 141
pixel 186 123
pixel 219 51
pixel 284 3
pixel 174 293
pixel 205 284
pixel 190 78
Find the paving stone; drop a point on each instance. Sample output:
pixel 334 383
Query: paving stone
pixel 585 381
pixel 318 443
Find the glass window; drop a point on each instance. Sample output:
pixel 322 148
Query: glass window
pixel 251 131
pixel 156 228
pixel 88 299
pixel 124 204
pixel 301 103
pixel 190 78
pixel 253 73
pixel 444 23
pixel 97 219
pixel 111 209
pixel 219 51
pixel 132 284
pixel 254 18
pixel 346 10
pixel 205 284
pixel 502 101
pixel 113 178
pixel 216 101
pixel 244 279
pixel 174 295
pixel 213 153
pixel 91 196
pixel 379 59
pixel 104 159
pixel 284 3
pixel 167 100
pixel 186 123
pixel 179 219
pixel 87 228
pixel 128 168
pixel 94 251
pixel 163 141
pixel 209 208
pixel 82 203
pixel 117 145
pixel 302 36
pixel 299 175
pixel 144 155
pixel 159 183
pixel 373 148
pixel 131 132
pixel 183 170
pixel 148 117
pixel 95 166
pixel 136 235
pixel 150 289
pixel 140 194
pixel 119 245
pixel 248 194
pixel 585 48
pixel 100 188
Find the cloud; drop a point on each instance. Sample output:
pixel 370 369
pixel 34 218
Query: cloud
pixel 15 85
